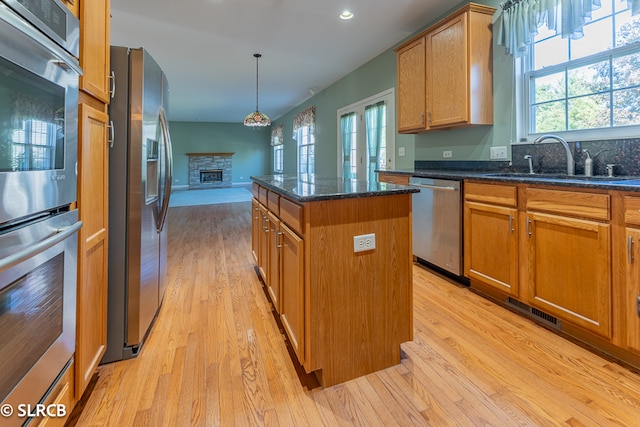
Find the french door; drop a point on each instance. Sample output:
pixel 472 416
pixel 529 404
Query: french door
pixel 366 132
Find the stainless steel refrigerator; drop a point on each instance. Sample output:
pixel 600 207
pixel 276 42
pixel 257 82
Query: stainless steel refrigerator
pixel 140 174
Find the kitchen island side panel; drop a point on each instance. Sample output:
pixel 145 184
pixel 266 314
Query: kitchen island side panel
pixel 358 305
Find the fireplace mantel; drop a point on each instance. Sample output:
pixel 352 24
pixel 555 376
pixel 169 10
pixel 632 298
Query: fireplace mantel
pixel 210 154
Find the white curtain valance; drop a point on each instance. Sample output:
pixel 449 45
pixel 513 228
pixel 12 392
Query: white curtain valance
pixel 304 118
pixel 519 20
pixel 277 135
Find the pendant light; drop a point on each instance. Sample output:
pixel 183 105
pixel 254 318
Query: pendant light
pixel 257 118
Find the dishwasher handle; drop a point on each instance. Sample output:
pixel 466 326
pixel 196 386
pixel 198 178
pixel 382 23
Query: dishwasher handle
pixel 433 187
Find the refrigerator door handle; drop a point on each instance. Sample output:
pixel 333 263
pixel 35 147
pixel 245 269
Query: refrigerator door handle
pixel 168 173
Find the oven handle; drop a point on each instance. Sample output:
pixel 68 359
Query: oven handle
pixel 33 250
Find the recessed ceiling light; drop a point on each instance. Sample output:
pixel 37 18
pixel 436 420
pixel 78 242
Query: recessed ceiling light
pixel 346 15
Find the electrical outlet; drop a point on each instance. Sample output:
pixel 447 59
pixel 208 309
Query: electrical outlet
pixel 364 242
pixel 400 151
pixel 176 180
pixel 447 154
pixel 498 153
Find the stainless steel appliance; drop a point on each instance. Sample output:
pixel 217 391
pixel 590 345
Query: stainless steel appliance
pixel 38 114
pixel 38 227
pixel 437 223
pixel 140 174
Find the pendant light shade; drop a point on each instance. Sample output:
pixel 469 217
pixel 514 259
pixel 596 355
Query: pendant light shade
pixel 257 118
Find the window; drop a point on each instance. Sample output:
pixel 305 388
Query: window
pixel 277 140
pixel 306 153
pixel 366 133
pixel 304 124
pixel 278 151
pixel 588 86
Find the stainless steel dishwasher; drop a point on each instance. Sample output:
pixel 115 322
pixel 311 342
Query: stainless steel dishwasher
pixel 437 223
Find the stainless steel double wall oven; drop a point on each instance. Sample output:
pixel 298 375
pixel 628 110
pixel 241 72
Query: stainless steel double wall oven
pixel 38 185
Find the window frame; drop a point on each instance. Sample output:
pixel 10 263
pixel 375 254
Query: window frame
pixel 524 87
pixel 300 142
pixel 278 158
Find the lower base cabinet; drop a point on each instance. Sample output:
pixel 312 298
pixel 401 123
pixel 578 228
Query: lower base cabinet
pixel 292 285
pixel 323 301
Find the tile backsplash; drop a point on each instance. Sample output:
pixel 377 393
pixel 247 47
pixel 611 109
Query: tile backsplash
pixel 551 157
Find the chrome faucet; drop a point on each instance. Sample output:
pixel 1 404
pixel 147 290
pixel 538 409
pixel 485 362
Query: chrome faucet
pixel 571 166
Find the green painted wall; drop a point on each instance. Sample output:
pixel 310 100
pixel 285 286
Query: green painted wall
pixel 254 154
pixel 250 147
pixel 380 74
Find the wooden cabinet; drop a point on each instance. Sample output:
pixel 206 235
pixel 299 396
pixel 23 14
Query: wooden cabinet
pixel 568 257
pixel 445 74
pixel 323 302
pixel 393 178
pixel 263 242
pixel 93 190
pixel 491 236
pixel 411 86
pixel 61 393
pixel 255 228
pixel 93 174
pixel 292 289
pixel 94 48
pixel 273 259
pixel 630 292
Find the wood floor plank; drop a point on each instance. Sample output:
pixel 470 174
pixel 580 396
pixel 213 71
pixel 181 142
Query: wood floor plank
pixel 216 357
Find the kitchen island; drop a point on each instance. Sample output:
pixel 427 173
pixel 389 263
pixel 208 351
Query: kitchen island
pixel 335 256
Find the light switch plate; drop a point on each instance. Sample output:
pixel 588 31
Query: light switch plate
pixel 400 151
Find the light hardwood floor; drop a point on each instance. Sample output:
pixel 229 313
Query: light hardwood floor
pixel 216 356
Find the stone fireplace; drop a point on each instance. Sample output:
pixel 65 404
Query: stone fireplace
pixel 209 170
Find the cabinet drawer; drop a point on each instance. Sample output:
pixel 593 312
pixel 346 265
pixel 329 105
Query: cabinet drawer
pixel 262 196
pixel 393 178
pixel 255 190
pixel 571 203
pixel 273 203
pixel 497 194
pixel 291 214
pixel 632 210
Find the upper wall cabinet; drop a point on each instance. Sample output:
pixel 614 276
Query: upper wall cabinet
pixel 445 74
pixel 94 48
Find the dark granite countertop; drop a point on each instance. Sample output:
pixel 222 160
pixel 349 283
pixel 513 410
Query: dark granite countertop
pixel 311 188
pixel 622 183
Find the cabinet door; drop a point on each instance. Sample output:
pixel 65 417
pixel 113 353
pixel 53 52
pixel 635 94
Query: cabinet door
pixel 491 246
pixel 94 48
pixel 256 222
pixel 273 258
pixel 411 87
pixel 569 270
pixel 93 205
pixel 632 290
pixel 263 242
pixel 292 289
pixel 447 73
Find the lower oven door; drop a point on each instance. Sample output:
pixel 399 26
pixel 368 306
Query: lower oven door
pixel 37 311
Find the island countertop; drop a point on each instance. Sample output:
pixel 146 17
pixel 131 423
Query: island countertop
pixel 308 188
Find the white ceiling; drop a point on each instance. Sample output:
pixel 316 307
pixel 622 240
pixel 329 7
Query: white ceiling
pixel 206 47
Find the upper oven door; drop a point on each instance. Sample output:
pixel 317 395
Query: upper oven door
pixel 38 121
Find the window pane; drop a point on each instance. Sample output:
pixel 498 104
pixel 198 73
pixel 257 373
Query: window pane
pixel 604 10
pixel 589 79
pixel 550 52
pixel 549 88
pixel 626 107
pixel 549 117
pixel 589 112
pixel 598 37
pixel 627 28
pixel 625 71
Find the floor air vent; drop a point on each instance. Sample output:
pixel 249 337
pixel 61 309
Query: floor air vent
pixel 534 313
